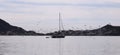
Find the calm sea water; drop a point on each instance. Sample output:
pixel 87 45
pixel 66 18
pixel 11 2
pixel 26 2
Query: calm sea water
pixel 71 45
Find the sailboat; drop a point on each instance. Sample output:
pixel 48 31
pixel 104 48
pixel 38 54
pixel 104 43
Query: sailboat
pixel 60 34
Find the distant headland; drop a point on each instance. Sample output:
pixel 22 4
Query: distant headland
pixel 107 30
pixel 7 29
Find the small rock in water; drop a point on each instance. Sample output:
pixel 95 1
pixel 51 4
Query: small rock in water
pixel 47 37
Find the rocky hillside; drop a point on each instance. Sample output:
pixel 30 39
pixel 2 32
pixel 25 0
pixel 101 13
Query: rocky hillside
pixel 107 30
pixel 7 29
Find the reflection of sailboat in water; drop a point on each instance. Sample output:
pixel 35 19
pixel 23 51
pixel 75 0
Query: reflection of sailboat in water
pixel 59 34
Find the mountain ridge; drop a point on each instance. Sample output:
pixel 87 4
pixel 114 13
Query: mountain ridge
pixel 107 30
pixel 8 29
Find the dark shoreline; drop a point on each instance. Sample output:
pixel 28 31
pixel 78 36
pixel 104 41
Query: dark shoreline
pixel 7 29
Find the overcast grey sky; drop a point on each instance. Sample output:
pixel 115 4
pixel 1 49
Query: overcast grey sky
pixel 42 15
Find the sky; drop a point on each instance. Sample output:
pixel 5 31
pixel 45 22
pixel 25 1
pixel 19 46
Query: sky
pixel 42 15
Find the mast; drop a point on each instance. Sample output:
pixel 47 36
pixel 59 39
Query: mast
pixel 59 22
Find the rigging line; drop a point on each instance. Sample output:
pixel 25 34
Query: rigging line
pixel 61 22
